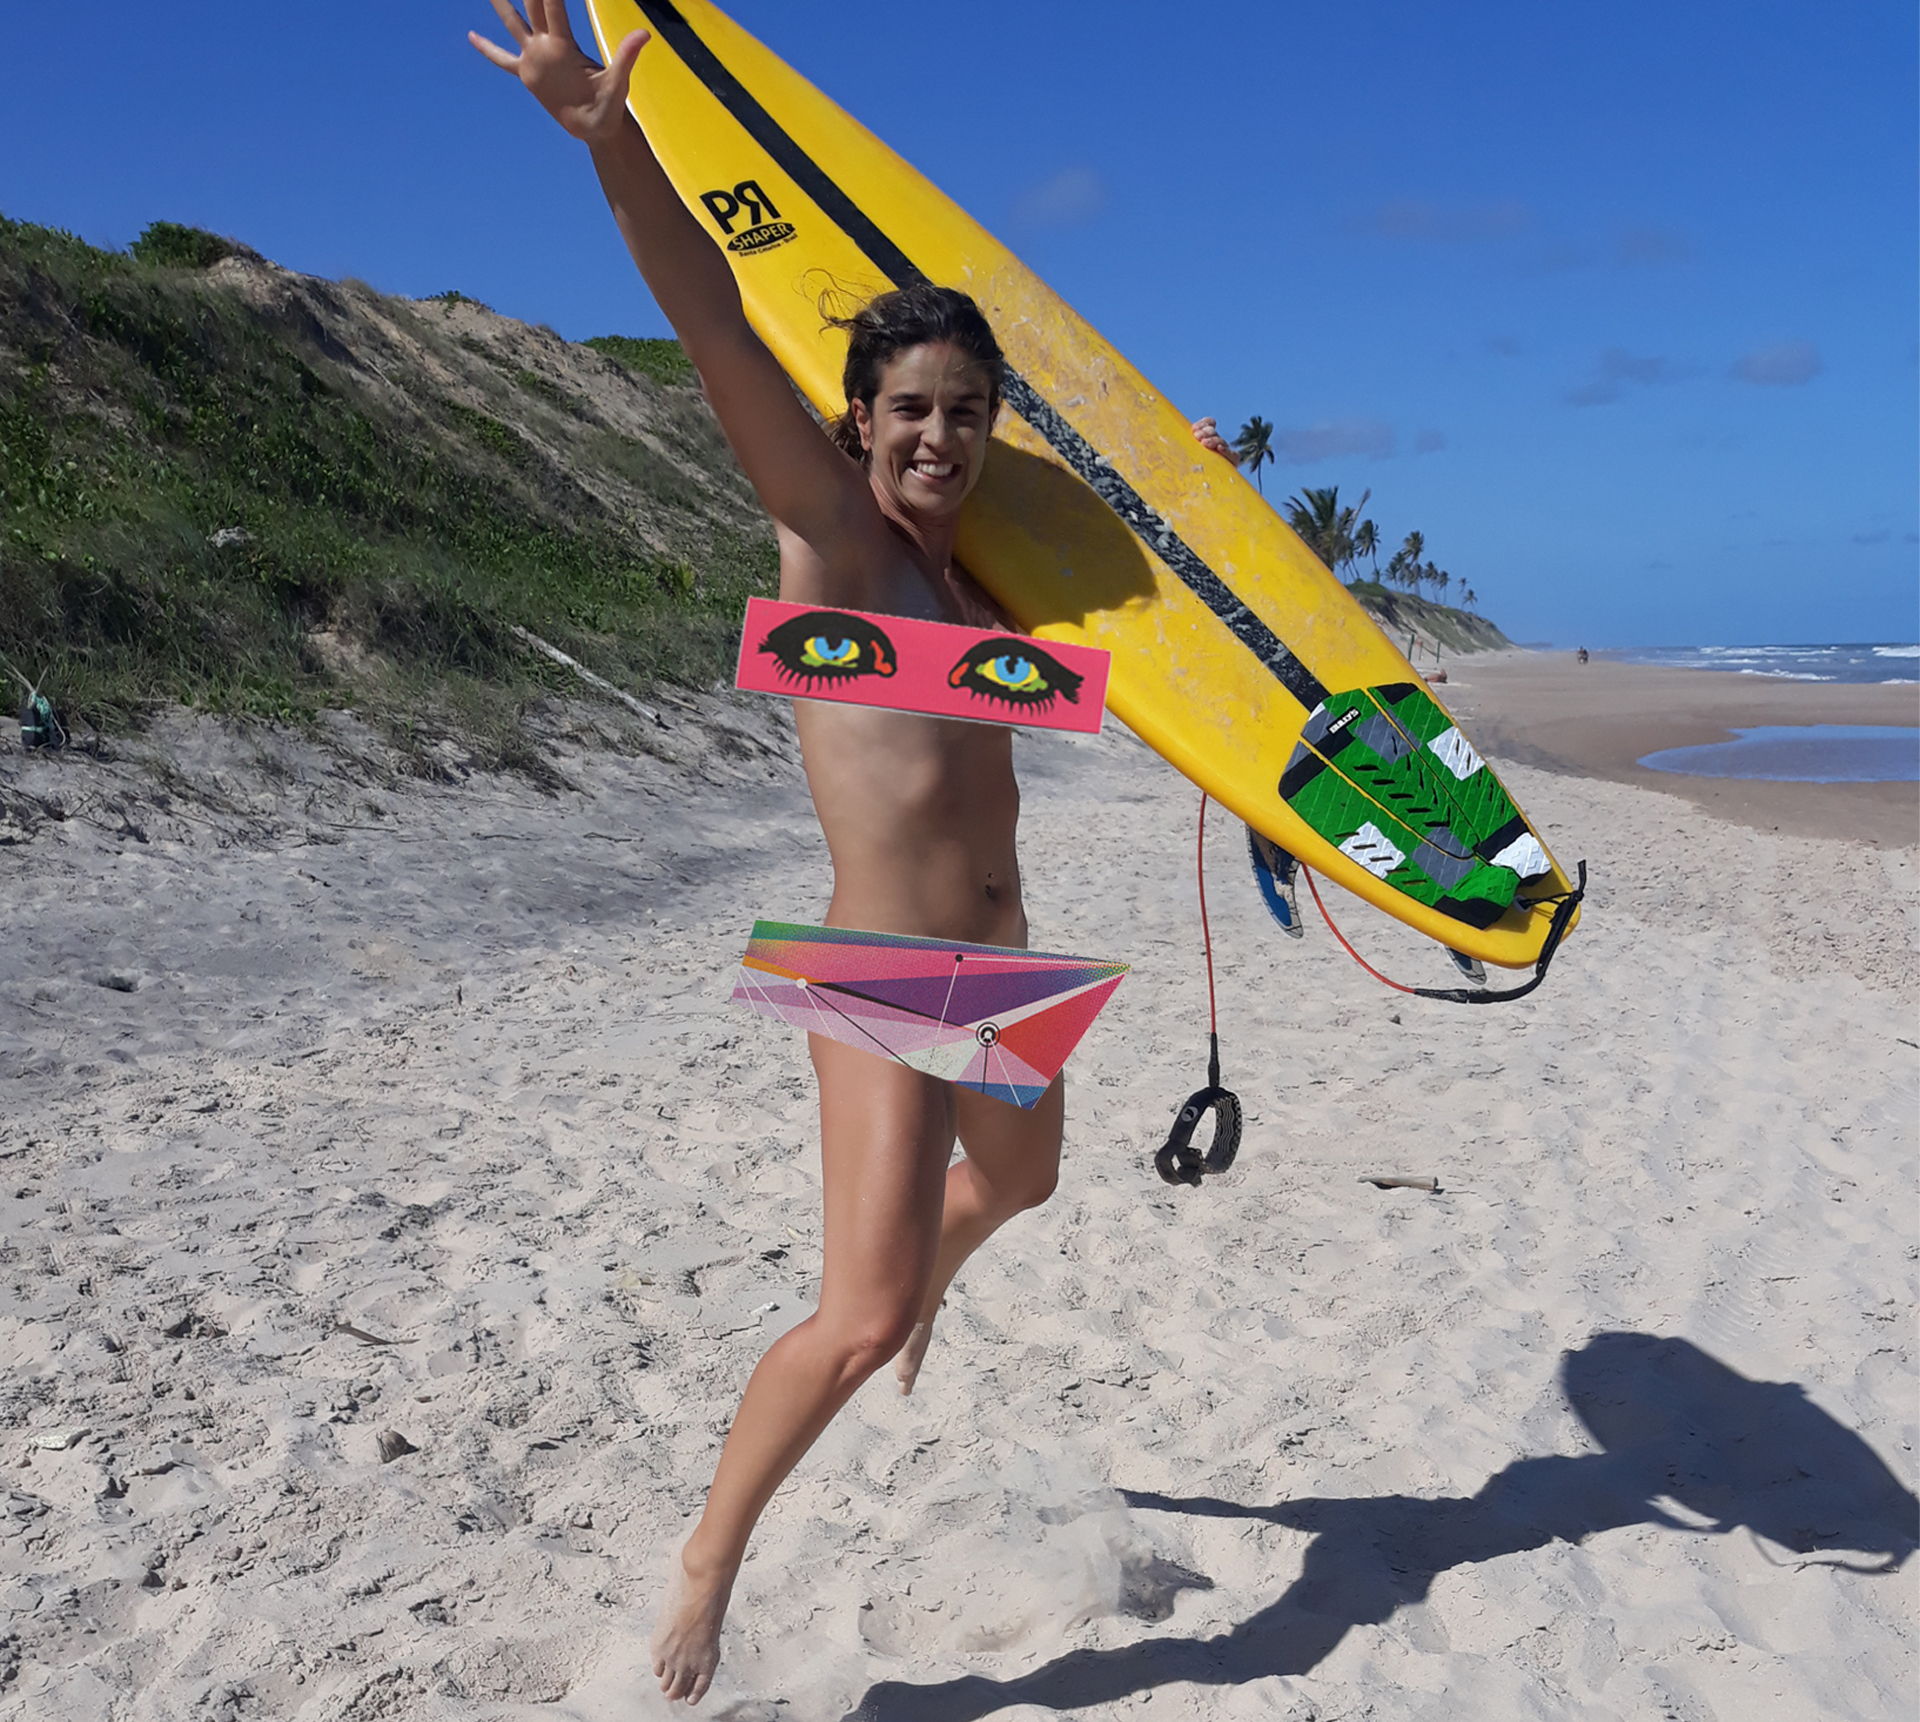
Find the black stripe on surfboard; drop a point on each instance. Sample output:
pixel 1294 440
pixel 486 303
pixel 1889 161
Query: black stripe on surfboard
pixel 1086 462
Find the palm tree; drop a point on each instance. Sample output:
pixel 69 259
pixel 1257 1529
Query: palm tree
pixel 1327 529
pixel 1366 542
pixel 1254 445
pixel 1403 569
pixel 1315 515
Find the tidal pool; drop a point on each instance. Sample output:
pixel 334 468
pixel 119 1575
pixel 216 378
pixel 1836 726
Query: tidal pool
pixel 1802 753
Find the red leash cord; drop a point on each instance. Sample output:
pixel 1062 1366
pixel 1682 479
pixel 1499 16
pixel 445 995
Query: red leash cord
pixel 1180 1162
pixel 1335 931
pixel 1206 934
pixel 1566 905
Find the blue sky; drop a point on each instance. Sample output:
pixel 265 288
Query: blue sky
pixel 1616 304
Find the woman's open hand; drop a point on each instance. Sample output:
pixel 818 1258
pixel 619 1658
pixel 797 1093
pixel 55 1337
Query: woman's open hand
pixel 1207 434
pixel 590 101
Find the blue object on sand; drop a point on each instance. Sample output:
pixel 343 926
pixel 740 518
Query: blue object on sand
pixel 1275 871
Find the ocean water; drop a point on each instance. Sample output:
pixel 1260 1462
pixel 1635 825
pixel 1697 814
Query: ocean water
pixel 1855 663
pixel 1802 753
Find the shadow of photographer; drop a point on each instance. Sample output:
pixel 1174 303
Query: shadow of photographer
pixel 1674 1425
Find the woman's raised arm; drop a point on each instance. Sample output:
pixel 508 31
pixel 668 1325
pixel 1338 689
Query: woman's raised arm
pixel 808 485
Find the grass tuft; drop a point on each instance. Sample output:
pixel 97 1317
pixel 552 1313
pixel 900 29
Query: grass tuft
pixel 452 297
pixel 663 361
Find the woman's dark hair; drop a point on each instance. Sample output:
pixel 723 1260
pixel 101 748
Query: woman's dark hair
pixel 895 321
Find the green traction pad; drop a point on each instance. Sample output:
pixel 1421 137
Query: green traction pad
pixel 1385 776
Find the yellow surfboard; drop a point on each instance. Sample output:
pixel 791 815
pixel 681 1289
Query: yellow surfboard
pixel 1236 655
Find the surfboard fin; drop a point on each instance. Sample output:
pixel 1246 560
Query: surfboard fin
pixel 1472 968
pixel 1277 874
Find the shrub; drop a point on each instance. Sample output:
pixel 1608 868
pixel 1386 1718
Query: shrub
pixel 168 245
pixel 452 297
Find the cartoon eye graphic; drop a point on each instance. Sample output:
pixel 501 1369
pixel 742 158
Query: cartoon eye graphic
pixel 1016 673
pixel 829 646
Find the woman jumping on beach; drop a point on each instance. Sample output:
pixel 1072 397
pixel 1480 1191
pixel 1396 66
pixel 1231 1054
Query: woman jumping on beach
pixel 919 812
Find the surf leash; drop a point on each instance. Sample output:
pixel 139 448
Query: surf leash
pixel 1564 906
pixel 1179 1161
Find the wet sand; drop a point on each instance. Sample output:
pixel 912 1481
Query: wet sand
pixel 1600 719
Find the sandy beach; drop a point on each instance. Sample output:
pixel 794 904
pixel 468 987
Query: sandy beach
pixel 338 1106
pixel 1599 719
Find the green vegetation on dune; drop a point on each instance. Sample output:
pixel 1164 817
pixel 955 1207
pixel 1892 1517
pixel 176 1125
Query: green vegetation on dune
pixel 254 492
pixel 661 360
pixel 168 245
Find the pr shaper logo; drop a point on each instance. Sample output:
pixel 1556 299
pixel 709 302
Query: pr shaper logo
pixel 764 229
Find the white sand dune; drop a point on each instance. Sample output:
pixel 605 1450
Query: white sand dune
pixel 453 1067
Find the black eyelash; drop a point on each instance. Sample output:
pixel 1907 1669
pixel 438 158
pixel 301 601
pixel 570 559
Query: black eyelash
pixel 871 654
pixel 1050 678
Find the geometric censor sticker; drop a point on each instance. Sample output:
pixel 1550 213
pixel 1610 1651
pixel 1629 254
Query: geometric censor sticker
pixel 985 1017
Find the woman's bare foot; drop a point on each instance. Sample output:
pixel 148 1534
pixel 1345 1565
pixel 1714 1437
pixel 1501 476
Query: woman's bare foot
pixel 906 1365
pixel 686 1636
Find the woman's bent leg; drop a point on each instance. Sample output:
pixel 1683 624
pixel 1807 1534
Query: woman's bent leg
pixel 886 1133
pixel 1012 1163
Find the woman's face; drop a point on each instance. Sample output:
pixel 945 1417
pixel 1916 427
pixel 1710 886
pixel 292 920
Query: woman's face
pixel 926 432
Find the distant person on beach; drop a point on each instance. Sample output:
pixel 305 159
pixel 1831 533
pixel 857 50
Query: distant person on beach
pixel 919 812
pixel 1580 657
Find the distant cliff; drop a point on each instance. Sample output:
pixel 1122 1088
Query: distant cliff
pixel 1429 625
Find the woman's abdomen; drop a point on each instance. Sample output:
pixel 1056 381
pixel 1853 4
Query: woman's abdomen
pixel 920 816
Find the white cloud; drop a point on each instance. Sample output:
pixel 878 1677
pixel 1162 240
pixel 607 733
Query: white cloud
pixel 1337 437
pixel 1071 198
pixel 1784 365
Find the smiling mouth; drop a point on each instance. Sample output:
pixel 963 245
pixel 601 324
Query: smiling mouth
pixel 933 470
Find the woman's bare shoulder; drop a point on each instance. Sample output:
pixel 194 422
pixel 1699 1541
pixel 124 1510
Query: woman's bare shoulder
pixel 856 570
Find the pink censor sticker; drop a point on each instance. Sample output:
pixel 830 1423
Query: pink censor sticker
pixel 935 668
